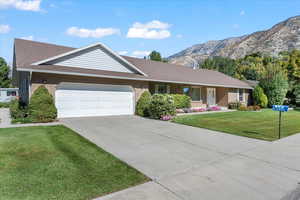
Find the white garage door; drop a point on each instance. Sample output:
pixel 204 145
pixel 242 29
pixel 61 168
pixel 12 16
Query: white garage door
pixel 83 100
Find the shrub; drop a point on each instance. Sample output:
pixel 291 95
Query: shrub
pixel 181 101
pixel 16 111
pixel 41 106
pixel 161 105
pixel 234 105
pixel 4 104
pixel 259 97
pixel 214 108
pixel 275 85
pixel 243 108
pixel 142 106
pixel 256 108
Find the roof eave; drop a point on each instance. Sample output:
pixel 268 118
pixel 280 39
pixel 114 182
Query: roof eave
pixel 129 78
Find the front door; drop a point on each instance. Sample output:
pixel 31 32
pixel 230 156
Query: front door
pixel 211 96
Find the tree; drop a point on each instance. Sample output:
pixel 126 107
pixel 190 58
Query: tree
pixel 259 97
pixel 41 106
pixel 275 84
pixel 5 81
pixel 154 55
pixel 221 64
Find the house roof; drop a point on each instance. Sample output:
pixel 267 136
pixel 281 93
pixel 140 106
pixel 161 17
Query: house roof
pixel 29 56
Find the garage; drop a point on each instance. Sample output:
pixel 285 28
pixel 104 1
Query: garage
pixel 86 100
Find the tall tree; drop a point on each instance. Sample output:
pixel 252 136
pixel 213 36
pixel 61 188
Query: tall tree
pixel 5 81
pixel 155 55
pixel 275 84
pixel 221 64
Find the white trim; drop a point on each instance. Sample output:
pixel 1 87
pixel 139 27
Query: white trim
pixel 127 78
pixel 88 47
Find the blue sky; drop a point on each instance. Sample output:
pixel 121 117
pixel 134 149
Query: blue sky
pixel 135 27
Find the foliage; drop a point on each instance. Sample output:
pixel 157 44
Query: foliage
pixel 275 84
pixel 259 97
pixel 234 105
pixel 41 106
pixel 249 108
pixel 161 105
pixel 243 108
pixel 16 110
pixel 181 101
pixel 222 64
pixel 5 81
pixel 4 104
pixel 142 106
pixel 154 55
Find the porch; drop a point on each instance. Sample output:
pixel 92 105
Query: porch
pixel 203 96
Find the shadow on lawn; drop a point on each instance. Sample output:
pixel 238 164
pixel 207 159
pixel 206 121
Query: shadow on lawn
pixel 81 163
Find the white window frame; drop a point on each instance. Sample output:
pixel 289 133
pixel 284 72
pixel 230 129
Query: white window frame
pixel 157 85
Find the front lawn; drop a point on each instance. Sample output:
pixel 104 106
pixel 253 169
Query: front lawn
pixel 259 125
pixel 56 163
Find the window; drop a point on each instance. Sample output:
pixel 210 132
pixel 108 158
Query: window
pixel 11 93
pixel 193 92
pixel 241 95
pixel 162 89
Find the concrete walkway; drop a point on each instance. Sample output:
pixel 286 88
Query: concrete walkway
pixel 193 163
pixel 4 117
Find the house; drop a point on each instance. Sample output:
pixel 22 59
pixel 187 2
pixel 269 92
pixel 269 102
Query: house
pixel 8 94
pixel 96 81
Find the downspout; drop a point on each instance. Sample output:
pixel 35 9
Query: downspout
pixel 29 85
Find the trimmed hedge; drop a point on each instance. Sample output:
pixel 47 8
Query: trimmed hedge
pixel 142 105
pixel 41 106
pixel 181 101
pixel 161 105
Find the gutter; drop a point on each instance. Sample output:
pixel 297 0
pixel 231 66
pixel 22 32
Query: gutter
pixel 127 78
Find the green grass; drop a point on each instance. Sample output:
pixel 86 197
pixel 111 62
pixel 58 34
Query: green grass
pixel 260 125
pixel 56 163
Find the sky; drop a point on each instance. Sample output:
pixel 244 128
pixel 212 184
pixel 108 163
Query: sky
pixel 136 27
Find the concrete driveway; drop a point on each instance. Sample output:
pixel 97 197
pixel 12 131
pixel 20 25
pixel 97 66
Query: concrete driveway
pixel 192 163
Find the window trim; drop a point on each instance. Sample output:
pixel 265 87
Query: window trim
pixel 193 87
pixel 243 95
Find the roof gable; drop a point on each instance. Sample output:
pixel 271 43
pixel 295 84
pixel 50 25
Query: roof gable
pixel 96 56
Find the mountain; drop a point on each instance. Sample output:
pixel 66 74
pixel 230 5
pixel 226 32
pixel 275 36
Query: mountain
pixel 283 36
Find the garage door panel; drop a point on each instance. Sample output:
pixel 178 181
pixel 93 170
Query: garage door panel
pixel 93 101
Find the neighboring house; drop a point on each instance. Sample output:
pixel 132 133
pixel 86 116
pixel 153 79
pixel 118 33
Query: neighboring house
pixel 8 94
pixel 96 81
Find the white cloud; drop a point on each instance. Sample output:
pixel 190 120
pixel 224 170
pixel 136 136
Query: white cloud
pixel 30 37
pixel 151 30
pixel 179 36
pixel 141 53
pixel 4 28
pixel 123 52
pixel 92 33
pixel 30 5
pixel 242 12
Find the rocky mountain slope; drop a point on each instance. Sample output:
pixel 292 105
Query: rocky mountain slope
pixel 284 36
